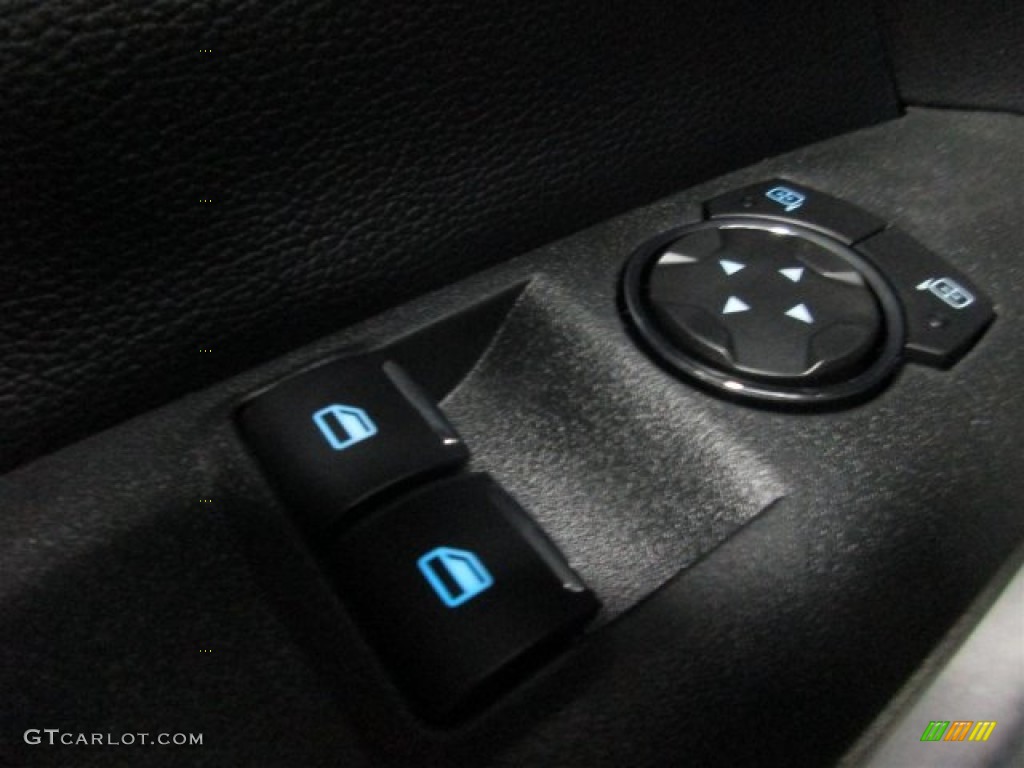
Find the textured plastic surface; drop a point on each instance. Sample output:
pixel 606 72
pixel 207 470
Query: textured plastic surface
pixel 244 176
pixel 777 647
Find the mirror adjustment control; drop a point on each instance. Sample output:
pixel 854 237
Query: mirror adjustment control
pixel 764 310
pixel 765 304
pixel 341 433
pixel 787 201
pixel 787 295
pixel 458 591
pixel 945 312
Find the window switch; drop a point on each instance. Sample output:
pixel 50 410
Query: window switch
pixel 459 592
pixel 337 435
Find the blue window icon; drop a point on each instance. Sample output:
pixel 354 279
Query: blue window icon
pixel 788 198
pixel 343 425
pixel 455 575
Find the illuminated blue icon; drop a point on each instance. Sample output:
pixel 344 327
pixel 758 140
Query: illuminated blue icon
pixel 457 576
pixel 788 198
pixel 343 426
pixel 949 290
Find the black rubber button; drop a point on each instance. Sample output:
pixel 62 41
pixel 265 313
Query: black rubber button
pixel 946 313
pixel 459 592
pixel 338 435
pixel 781 200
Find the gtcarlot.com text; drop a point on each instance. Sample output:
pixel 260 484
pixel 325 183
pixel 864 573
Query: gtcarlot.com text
pixel 55 737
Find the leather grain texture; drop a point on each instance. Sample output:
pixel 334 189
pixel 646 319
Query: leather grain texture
pixel 964 54
pixel 354 155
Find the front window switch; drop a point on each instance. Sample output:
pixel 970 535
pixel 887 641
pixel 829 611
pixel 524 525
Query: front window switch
pixel 340 434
